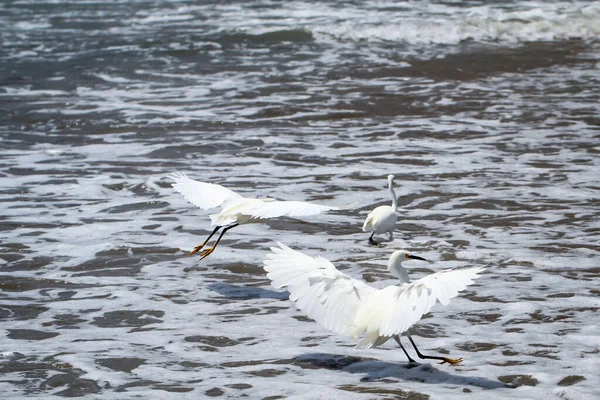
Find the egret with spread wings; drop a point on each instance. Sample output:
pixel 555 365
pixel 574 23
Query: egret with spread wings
pixel 235 209
pixel 346 305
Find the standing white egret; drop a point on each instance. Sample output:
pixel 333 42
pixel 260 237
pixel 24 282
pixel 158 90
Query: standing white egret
pixel 383 218
pixel 346 305
pixel 235 209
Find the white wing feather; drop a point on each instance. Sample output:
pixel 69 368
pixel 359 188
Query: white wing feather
pixel 325 294
pixel 275 208
pixel 200 194
pixel 394 309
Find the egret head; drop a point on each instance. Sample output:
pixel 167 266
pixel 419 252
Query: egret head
pixel 402 255
pixel 391 178
pixel 395 264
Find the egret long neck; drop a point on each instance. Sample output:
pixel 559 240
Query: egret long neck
pixel 398 271
pixel 394 198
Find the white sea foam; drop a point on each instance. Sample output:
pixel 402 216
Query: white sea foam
pixel 164 18
pixel 421 22
pixel 114 79
pixel 451 25
pixel 28 25
pixel 413 23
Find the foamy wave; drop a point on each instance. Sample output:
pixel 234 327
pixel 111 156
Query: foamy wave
pixel 27 92
pixel 165 18
pixel 485 24
pixel 27 25
pixel 113 79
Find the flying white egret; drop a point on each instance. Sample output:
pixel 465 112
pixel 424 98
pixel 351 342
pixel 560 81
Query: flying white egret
pixel 346 305
pixel 383 218
pixel 237 210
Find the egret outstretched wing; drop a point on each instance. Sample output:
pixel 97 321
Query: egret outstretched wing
pixel 237 210
pixel 200 194
pixel 325 294
pixel 347 305
pixel 394 309
pixel 274 208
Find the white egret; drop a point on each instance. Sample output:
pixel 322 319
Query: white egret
pixel 383 218
pixel 235 209
pixel 346 305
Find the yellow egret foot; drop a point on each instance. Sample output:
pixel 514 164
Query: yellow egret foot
pixel 207 252
pixel 451 361
pixel 196 249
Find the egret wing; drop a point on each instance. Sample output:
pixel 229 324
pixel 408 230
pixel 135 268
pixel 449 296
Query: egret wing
pixel 325 294
pixel 201 194
pixel 275 208
pixel 394 309
pixel 368 224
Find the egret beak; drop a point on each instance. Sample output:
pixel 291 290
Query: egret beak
pixel 416 257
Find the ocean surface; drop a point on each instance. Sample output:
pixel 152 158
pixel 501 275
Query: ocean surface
pixel 487 113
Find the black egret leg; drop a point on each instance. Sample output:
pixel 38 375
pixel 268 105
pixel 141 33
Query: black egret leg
pixel 209 250
pixel 198 248
pixel 397 339
pixel 451 361
pixel 371 240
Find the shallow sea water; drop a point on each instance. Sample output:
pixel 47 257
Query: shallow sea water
pixel 487 114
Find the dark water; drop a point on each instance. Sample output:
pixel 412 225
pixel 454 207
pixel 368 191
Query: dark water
pixel 486 113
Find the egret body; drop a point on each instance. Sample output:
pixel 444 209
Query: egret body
pixel 349 306
pixel 383 218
